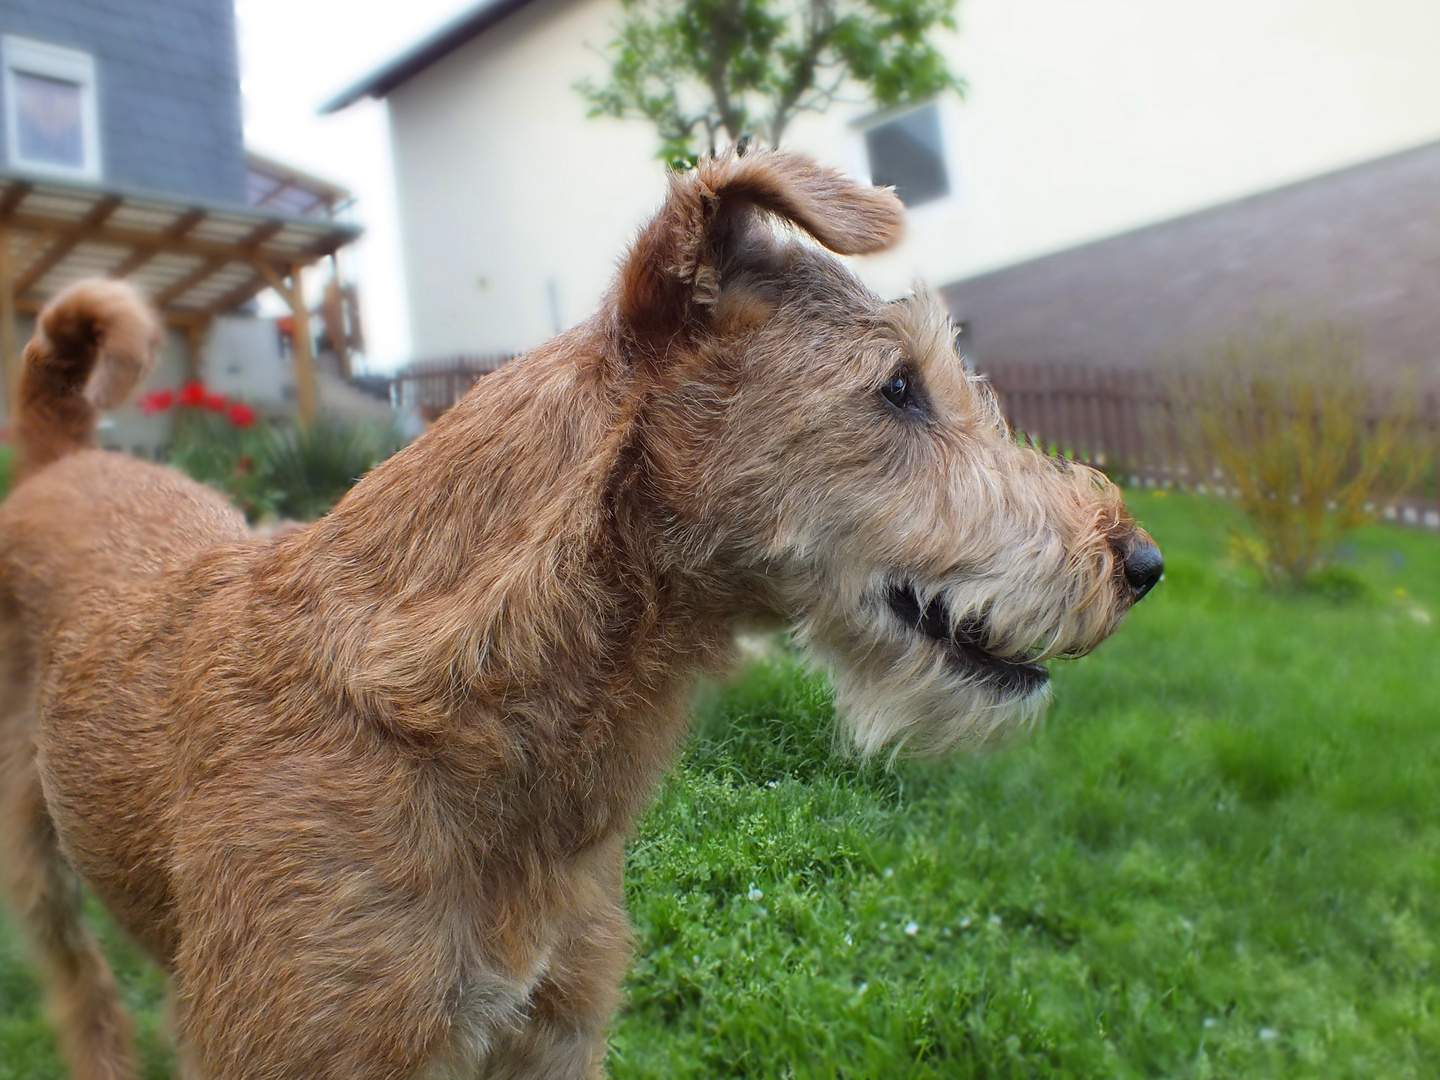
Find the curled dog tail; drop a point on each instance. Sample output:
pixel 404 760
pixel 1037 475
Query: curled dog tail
pixel 93 345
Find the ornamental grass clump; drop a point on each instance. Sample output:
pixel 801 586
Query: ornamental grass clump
pixel 1283 420
pixel 311 466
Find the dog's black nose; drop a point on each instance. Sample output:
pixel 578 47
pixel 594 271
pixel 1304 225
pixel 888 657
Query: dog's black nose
pixel 1143 567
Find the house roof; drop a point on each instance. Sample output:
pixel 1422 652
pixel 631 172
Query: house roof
pixel 1359 246
pixel 193 258
pixel 420 56
pixel 283 189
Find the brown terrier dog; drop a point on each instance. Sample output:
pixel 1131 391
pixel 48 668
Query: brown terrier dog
pixel 364 789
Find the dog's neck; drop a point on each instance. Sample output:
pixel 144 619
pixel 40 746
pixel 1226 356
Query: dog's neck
pixel 493 592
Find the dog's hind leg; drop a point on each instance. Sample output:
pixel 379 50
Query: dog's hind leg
pixel 84 1005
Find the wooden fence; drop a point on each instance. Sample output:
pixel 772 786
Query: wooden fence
pixel 1104 416
pixel 432 386
pixel 1127 422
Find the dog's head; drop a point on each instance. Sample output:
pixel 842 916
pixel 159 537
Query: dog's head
pixel 825 456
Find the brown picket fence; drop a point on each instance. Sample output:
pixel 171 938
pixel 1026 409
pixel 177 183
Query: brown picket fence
pixel 1127 423
pixel 432 386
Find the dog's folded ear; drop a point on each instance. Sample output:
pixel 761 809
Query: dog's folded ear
pixel 672 268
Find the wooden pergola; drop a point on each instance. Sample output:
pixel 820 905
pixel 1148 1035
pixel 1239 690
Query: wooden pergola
pixel 194 260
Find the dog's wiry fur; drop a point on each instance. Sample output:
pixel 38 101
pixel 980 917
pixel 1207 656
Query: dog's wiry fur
pixel 363 789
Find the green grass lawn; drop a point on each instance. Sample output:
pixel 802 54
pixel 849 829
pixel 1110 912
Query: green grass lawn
pixel 1218 856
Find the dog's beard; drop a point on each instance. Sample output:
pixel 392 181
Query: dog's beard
pixel 904 683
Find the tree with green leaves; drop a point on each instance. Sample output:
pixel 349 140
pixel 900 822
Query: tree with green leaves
pixel 709 71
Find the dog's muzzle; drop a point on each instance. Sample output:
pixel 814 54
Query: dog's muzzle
pixel 963 648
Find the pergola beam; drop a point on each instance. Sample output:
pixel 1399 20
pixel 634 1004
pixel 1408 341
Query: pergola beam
pixel 182 285
pixel 248 288
pixel 280 188
pixel 248 246
pixel 121 236
pixel 14 197
pixel 34 249
pixel 67 241
pixel 273 278
pixel 234 297
pixel 142 255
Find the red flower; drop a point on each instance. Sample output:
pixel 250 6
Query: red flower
pixel 215 402
pixel 156 401
pixel 192 394
pixel 240 414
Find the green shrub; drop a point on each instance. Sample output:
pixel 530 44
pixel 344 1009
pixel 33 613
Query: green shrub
pixel 232 459
pixel 1285 422
pixel 298 472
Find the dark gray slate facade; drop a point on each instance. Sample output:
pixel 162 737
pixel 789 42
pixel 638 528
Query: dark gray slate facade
pixel 1360 246
pixel 168 87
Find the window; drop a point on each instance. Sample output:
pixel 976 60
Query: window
pixel 907 151
pixel 50 121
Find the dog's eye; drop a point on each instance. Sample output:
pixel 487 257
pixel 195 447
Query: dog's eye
pixel 899 390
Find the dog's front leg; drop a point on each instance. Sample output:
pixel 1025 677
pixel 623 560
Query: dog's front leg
pixel 563 1034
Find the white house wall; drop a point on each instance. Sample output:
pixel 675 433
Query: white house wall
pixel 513 206
pixel 1082 120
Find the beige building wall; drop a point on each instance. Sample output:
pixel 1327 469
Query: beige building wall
pixel 513 206
pixel 1082 120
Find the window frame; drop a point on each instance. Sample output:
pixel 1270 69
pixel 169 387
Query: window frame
pixel 863 126
pixel 25 56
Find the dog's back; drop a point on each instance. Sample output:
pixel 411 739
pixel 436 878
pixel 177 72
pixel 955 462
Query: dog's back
pixel 88 538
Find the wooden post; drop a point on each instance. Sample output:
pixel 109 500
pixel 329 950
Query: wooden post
pixel 293 293
pixel 9 350
pixel 304 353
pixel 195 346
pixel 335 312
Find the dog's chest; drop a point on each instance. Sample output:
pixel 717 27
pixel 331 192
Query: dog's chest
pixel 489 1007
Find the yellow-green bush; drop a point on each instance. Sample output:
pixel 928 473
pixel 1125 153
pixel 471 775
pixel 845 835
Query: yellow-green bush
pixel 1283 420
